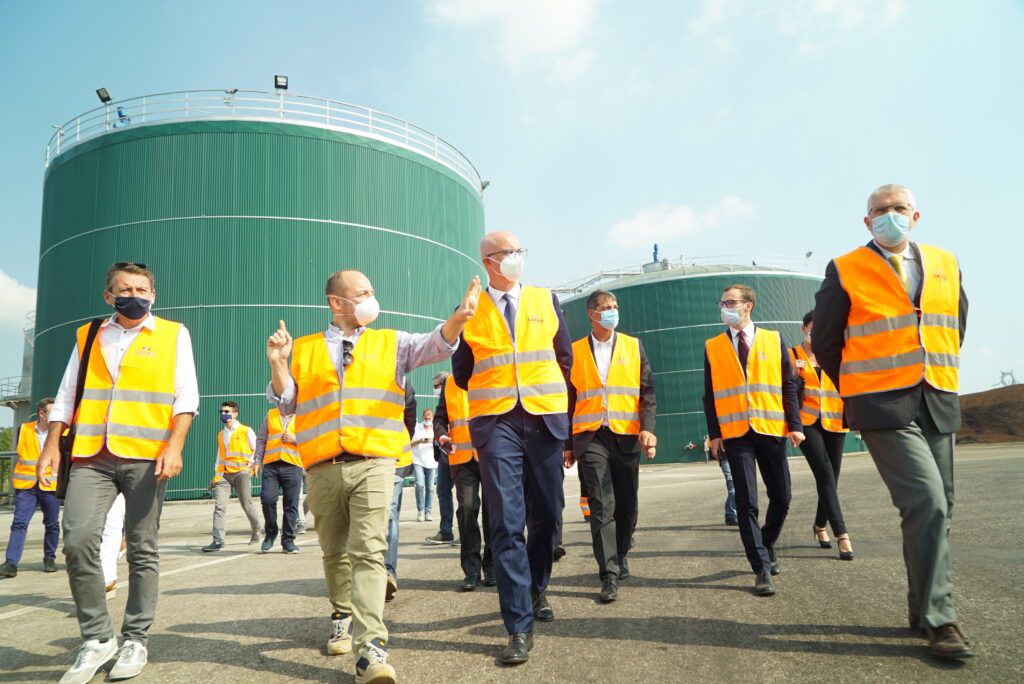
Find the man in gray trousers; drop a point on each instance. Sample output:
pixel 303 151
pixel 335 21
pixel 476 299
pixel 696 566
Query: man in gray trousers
pixel 140 395
pixel 889 320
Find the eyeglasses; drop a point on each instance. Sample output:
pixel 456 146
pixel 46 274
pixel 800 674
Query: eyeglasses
pixel 346 353
pixel 898 208
pixel 225 410
pixel 437 387
pixel 730 303
pixel 521 252
pixel 126 264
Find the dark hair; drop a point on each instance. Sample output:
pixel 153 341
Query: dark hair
pixel 808 317
pixel 229 404
pixel 129 267
pixel 41 404
pixel 746 293
pixel 593 299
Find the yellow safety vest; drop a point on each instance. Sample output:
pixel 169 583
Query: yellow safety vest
pixel 821 398
pixel 24 474
pixel 133 415
pixel 891 344
pixel 620 397
pixel 276 448
pixel 753 401
pixel 238 456
pixel 456 401
pixel 366 417
pixel 526 370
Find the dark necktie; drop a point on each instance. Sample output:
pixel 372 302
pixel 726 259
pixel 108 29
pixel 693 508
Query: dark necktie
pixel 510 315
pixel 742 350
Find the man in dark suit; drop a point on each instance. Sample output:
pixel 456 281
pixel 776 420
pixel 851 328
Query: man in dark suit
pixel 612 404
pixel 889 321
pixel 515 363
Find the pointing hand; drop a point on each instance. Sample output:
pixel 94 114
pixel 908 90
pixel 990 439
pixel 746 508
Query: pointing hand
pixel 279 345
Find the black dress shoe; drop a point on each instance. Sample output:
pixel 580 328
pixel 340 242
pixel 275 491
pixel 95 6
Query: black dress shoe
pixel 542 609
pixel 214 546
pixel 469 583
pixel 8 569
pixel 559 553
pixel 764 585
pixel 623 568
pixel 609 591
pixel 49 565
pixel 776 565
pixel 489 580
pixel 518 649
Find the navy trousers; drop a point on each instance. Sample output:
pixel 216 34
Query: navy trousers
pixel 286 478
pixel 25 502
pixel 746 455
pixel 521 472
pixel 445 483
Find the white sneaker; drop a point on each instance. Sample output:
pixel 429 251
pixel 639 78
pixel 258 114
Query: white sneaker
pixel 372 666
pixel 419 516
pixel 130 661
pixel 91 656
pixel 426 517
pixel 340 641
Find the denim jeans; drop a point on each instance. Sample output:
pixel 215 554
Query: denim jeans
pixel 424 487
pixel 284 477
pixel 445 504
pixel 391 556
pixel 730 499
pixel 25 502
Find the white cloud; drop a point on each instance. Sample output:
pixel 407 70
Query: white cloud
pixel 711 15
pixel 528 30
pixel 665 221
pixel 569 68
pixel 16 300
pixel 819 24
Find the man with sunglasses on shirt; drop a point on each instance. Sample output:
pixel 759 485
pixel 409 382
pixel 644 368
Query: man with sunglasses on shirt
pixel 140 395
pixel 235 465
pixel 346 387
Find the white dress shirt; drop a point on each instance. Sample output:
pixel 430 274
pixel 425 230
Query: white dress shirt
pixel 911 266
pixel 603 359
pixel 498 297
pixel 41 436
pixel 225 438
pixel 423 454
pixel 748 335
pixel 113 341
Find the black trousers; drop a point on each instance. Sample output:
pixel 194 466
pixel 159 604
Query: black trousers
pixel 746 455
pixel 286 478
pixel 467 494
pixel 610 482
pixel 824 453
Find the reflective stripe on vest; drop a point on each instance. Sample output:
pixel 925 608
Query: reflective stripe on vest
pixel 820 397
pixel 456 402
pixel 366 417
pixel 23 475
pixel 743 405
pixel 888 345
pixel 620 398
pixel 526 371
pixel 238 456
pixel 134 415
pixel 276 448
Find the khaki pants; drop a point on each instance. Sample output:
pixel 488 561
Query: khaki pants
pixel 242 484
pixel 350 503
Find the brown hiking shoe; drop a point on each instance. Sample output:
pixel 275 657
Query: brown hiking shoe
pixel 948 641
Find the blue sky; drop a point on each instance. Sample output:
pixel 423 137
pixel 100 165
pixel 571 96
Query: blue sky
pixel 713 127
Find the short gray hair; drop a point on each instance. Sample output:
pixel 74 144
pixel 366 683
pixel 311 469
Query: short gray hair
pixel 891 187
pixel 594 298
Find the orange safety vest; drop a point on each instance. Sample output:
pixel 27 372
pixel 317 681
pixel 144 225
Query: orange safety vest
pixel 526 370
pixel 238 456
pixel 751 402
pixel 134 414
pixel 456 401
pixel 891 344
pixel 820 398
pixel 620 398
pixel 276 448
pixel 24 474
pixel 366 417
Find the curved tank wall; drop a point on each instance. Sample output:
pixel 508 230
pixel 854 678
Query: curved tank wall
pixel 673 313
pixel 242 222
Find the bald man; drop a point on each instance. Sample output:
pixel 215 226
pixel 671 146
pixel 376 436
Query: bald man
pixel 889 321
pixel 515 363
pixel 346 387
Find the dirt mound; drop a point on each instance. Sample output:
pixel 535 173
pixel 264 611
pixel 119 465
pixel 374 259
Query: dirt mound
pixel 996 415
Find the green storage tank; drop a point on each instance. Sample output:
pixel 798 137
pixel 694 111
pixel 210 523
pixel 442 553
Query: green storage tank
pixel 673 310
pixel 243 203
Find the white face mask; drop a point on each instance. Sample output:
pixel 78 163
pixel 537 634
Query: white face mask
pixel 366 311
pixel 511 266
pixel 732 317
pixel 437 391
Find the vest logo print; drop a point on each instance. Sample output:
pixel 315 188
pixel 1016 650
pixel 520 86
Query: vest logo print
pixel 940 275
pixel 761 356
pixel 534 318
pixel 145 351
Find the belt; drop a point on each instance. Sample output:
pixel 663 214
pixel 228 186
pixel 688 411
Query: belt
pixel 342 458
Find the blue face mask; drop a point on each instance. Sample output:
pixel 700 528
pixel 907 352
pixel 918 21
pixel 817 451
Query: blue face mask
pixel 609 318
pixel 226 417
pixel 132 308
pixel 890 229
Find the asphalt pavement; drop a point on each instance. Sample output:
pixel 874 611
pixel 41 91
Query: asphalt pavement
pixel 686 615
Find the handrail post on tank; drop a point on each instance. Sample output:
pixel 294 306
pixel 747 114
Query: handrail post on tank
pixel 328 112
pixel 280 97
pixel 106 115
pixel 143 109
pixel 186 104
pixel 78 128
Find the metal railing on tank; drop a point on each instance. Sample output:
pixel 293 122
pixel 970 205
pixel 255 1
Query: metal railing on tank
pixel 259 105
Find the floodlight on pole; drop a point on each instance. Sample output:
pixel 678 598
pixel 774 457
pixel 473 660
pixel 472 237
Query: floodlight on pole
pixel 281 82
pixel 104 95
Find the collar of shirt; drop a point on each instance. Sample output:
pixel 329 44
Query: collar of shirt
pixel 496 294
pixel 748 332
pixel 907 253
pixel 149 322
pixel 41 432
pixel 336 335
pixel 598 343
